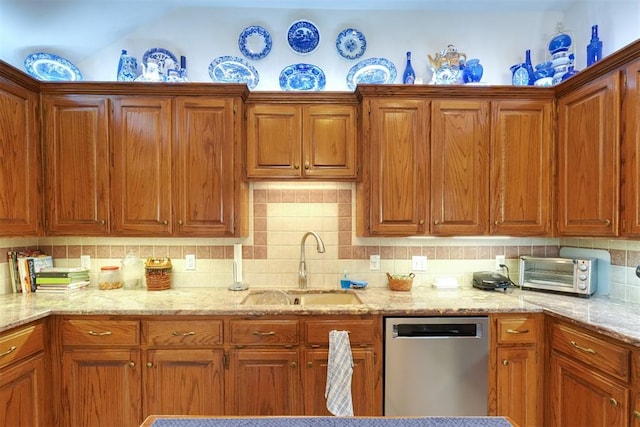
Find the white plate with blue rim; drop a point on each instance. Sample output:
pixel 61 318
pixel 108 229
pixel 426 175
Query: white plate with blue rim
pixel 255 42
pixel 351 43
pixel 231 69
pixel 372 71
pixel 304 77
pixel 51 68
pixel 166 60
pixel 303 37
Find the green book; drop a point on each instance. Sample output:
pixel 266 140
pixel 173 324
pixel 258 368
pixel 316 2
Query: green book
pixel 62 280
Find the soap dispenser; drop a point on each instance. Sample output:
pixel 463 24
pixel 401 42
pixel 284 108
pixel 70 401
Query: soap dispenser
pixel 345 282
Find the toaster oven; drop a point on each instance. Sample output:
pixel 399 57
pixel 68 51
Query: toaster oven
pixel 575 276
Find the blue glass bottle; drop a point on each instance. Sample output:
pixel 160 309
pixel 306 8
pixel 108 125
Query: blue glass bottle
pixel 409 75
pixel 594 48
pixel 529 66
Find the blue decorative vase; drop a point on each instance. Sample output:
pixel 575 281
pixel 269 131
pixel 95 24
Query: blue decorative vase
pixel 594 48
pixel 409 75
pixel 127 67
pixel 473 71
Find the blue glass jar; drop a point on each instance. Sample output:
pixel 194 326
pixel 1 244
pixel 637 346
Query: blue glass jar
pixel 473 71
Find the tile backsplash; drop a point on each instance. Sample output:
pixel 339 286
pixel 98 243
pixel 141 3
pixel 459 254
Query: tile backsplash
pixel 282 212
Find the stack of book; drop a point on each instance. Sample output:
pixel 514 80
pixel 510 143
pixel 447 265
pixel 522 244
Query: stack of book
pixel 61 279
pixel 23 266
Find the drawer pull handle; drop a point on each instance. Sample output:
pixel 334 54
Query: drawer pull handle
pixel 613 402
pixel 99 334
pixel 263 334
pixel 636 415
pixel 182 334
pixel 8 352
pixel 585 349
pixel 505 362
pixel 516 331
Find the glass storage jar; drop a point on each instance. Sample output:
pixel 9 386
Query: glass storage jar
pixel 109 278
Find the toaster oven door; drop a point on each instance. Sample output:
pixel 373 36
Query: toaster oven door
pixel 553 274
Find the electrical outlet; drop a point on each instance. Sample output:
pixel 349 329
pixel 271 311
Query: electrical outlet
pixel 419 263
pixel 500 259
pixel 374 262
pixel 190 262
pixel 85 261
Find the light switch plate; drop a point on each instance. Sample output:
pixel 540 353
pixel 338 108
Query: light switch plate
pixel 190 262
pixel 419 263
pixel 374 262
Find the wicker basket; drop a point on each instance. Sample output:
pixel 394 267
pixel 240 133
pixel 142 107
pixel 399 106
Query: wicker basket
pixel 400 283
pixel 158 273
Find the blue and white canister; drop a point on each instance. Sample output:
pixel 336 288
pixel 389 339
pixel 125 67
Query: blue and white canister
pixel 127 67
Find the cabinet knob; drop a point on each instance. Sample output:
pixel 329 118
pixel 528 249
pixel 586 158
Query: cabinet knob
pixel 436 222
pixel 165 222
pixel 179 222
pixel 102 221
pixel 309 364
pixel 505 362
pixel 149 365
pixel 497 222
pixel 307 165
pixel 607 222
pixel 294 365
pixel 613 402
pixel 132 364
pixel 636 415
pixel 421 222
pixel 296 165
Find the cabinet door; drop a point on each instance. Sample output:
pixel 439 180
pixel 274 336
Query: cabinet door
pixel 521 168
pixel 588 159
pixel 76 148
pixel 580 397
pixel 635 410
pixel 141 171
pixel 20 182
pixel 22 394
pixel 329 141
pixel 631 154
pixel 459 167
pixel 183 382
pixel 264 382
pixel 397 167
pixel 204 167
pixel 274 141
pixel 364 382
pixel 517 385
pixel 101 387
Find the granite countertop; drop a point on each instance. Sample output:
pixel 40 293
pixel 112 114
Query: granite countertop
pixel 615 319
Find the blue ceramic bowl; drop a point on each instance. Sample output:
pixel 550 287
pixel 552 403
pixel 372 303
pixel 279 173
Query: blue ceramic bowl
pixel 560 43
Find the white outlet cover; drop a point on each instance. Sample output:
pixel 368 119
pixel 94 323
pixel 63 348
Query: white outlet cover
pixel 374 262
pixel 419 263
pixel 190 262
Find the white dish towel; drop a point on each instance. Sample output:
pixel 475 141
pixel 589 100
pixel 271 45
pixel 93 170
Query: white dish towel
pixel 339 372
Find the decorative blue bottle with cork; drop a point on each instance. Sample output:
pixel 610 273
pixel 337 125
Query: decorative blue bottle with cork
pixel 409 75
pixel 594 48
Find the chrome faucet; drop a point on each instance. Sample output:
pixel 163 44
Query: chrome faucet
pixel 302 269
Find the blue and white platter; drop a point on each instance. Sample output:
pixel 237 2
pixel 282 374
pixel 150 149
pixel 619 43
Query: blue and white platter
pixel 165 59
pixel 351 43
pixel 303 37
pixel 231 69
pixel 306 77
pixel 255 42
pixel 372 71
pixel 52 68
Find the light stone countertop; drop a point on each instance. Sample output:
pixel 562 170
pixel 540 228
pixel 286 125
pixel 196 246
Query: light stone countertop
pixel 615 319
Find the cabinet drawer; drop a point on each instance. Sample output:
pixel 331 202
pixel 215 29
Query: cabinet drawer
pixel 517 330
pixel 184 332
pixel 360 331
pixel 100 332
pixel 21 343
pixel 264 332
pixel 595 352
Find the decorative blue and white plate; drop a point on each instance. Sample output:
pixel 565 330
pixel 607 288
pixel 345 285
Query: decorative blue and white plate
pixel 255 42
pixel 302 77
pixel 231 69
pixel 351 43
pixel 52 68
pixel 303 37
pixel 165 59
pixel 371 71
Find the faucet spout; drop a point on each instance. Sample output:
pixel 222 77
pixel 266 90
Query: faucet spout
pixel 302 268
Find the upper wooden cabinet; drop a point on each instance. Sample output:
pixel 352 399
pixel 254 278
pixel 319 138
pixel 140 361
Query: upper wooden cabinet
pixel 76 152
pixel 301 140
pixel 589 158
pixel 20 177
pixel 631 153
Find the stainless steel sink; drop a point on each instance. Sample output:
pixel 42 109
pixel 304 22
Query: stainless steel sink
pixel 302 297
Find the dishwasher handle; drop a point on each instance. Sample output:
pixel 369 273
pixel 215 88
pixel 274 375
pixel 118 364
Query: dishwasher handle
pixel 437 330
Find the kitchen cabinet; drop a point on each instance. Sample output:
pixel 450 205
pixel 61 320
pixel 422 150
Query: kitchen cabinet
pixel 589 379
pixel 459 165
pixel 631 152
pixel 20 177
pixel 183 367
pixel 76 152
pixel 516 368
pixel 23 377
pixel 101 372
pixel 301 140
pixel 521 167
pixel 589 158
pixel 635 398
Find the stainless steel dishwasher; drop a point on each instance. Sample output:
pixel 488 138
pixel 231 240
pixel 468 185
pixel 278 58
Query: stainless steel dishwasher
pixel 436 366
